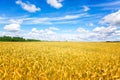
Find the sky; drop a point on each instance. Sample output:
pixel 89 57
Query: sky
pixel 61 20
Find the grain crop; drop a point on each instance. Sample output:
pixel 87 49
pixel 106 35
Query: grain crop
pixel 59 61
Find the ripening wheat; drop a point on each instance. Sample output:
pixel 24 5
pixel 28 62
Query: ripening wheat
pixel 59 61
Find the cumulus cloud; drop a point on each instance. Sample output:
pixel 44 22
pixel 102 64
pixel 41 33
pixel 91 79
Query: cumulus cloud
pixel 34 30
pixel 105 32
pixel 86 8
pixel 13 26
pixel 113 18
pixel 55 3
pixel 98 34
pixel 28 6
pixel 46 34
pixel 109 29
pixel 49 30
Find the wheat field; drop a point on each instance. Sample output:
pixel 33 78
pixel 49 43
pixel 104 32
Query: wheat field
pixel 59 61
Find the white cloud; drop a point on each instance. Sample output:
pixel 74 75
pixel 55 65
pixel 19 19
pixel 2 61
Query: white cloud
pixel 109 29
pixel 68 17
pixel 99 33
pixel 51 20
pixel 67 22
pixel 46 34
pixel 83 34
pixel 55 3
pixel 113 18
pixel 34 30
pixel 53 28
pixel 82 30
pixel 35 20
pixel 50 30
pixel 86 8
pixel 27 6
pixel 105 32
pixel 13 26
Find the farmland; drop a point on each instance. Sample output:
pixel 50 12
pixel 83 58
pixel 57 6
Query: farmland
pixel 59 61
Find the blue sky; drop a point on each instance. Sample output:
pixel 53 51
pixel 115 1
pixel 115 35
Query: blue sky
pixel 61 20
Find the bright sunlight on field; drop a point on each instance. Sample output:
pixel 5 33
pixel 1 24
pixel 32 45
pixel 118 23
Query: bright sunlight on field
pixel 59 61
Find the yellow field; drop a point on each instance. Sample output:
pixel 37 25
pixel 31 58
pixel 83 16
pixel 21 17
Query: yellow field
pixel 59 61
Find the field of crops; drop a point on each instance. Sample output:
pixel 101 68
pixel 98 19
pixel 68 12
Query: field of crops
pixel 59 61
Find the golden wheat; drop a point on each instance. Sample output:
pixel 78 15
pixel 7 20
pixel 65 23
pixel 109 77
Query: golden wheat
pixel 59 61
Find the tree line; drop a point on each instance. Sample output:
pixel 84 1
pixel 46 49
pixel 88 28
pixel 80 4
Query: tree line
pixel 15 39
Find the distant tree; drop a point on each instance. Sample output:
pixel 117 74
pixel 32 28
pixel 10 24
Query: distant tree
pixel 16 39
pixel 5 38
pixel 35 40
